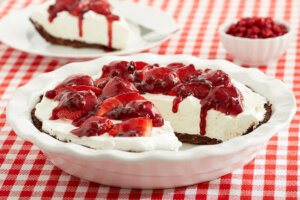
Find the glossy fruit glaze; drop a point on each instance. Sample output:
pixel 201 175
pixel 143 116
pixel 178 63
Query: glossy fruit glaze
pixel 212 87
pixel 257 27
pixel 78 8
pixel 91 105
pixel 93 126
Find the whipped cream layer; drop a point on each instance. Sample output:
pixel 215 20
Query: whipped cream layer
pixel 162 138
pixel 218 125
pixel 94 27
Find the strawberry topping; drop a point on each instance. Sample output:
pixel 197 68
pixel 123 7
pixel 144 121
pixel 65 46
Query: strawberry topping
pixel 109 105
pixel 117 86
pixel 93 126
pixel 135 127
pixel 74 80
pixel 73 105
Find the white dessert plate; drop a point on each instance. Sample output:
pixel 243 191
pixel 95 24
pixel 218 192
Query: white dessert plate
pixel 18 32
pixel 154 169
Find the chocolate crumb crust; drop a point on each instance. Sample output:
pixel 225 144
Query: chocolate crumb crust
pixel 182 137
pixel 71 43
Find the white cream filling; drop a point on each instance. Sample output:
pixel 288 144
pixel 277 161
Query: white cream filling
pixel 218 125
pixel 94 27
pixel 162 138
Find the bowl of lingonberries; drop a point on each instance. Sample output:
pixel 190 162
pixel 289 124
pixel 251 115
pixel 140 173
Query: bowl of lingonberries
pixel 255 41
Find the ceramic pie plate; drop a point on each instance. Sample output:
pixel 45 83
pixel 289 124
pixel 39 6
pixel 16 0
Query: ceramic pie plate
pixel 154 169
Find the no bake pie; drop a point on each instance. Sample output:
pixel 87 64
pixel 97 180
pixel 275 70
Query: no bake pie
pixel 136 106
pixel 81 23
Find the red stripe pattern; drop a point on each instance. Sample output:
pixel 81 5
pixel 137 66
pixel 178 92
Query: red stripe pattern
pixel 273 174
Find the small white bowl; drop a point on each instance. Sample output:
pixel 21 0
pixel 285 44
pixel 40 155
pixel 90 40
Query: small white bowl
pixel 255 52
pixel 153 169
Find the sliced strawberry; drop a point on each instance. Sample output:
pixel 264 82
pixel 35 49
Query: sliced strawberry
pixel 217 77
pixel 127 97
pixel 179 90
pixel 160 80
pixel 188 73
pixel 73 105
pixel 108 105
pixel 100 83
pixel 68 114
pixel 140 74
pixel 117 86
pixel 74 80
pixel 79 8
pixel 93 126
pixel 122 69
pixel 79 79
pixel 199 91
pixel 140 65
pixel 137 108
pixel 59 91
pixel 102 7
pixel 175 66
pixel 144 108
pixel 135 127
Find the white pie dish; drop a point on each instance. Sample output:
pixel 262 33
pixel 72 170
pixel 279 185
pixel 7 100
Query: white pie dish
pixel 153 169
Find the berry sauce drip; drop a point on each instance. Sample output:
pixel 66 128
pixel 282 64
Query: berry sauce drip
pixel 257 27
pixel 74 105
pixel 212 87
pixel 79 7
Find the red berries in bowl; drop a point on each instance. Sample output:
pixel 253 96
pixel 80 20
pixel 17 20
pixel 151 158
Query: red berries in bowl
pixel 255 41
pixel 257 27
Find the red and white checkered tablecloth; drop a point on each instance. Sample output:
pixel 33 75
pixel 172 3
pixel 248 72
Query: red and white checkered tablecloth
pixel 274 173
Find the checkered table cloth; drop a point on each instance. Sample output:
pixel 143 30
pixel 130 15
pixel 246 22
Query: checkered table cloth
pixel 274 173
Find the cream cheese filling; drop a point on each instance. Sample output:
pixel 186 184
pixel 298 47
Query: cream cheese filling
pixel 94 27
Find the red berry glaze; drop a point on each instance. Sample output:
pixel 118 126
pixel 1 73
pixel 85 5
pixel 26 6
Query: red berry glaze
pixel 175 66
pixel 188 73
pixel 74 80
pixel 60 91
pixel 137 108
pixel 74 105
pixel 257 27
pixel 117 86
pixel 93 126
pixel 159 80
pixel 122 69
pixel 140 65
pixel 135 127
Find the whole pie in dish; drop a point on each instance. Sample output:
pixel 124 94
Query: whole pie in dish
pixel 81 23
pixel 136 106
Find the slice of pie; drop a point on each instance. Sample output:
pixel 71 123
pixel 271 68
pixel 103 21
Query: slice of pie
pixel 81 23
